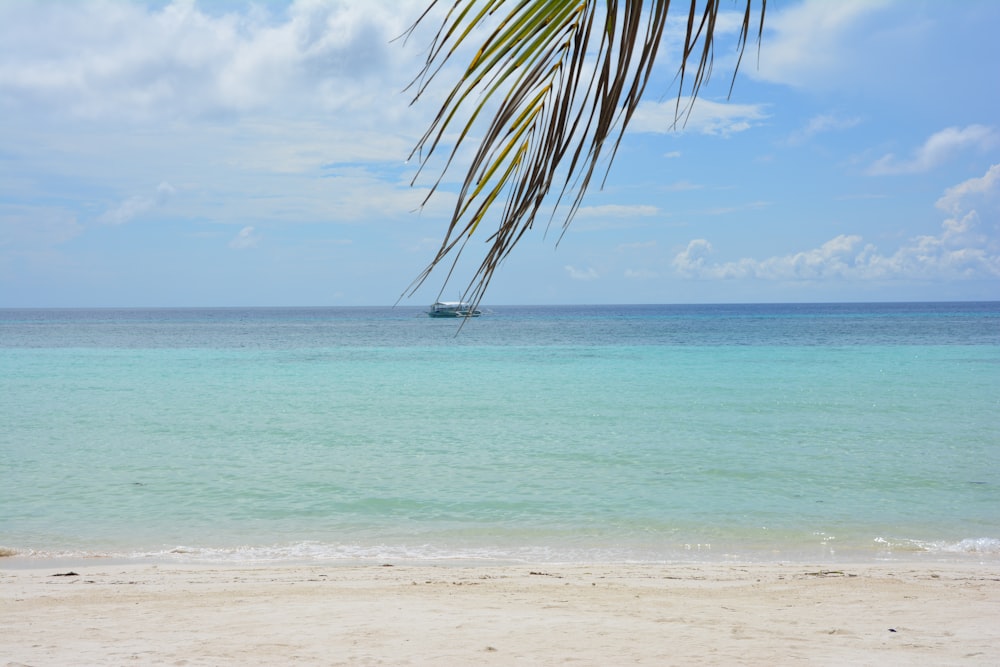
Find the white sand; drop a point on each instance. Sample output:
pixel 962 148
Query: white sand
pixel 720 614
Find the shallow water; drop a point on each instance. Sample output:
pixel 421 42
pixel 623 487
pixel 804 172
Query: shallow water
pixel 645 433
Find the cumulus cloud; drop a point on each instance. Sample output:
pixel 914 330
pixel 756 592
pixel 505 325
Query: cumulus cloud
pixel 938 148
pixel 956 198
pixel 101 60
pixel 135 206
pixel 960 251
pixel 246 238
pixel 832 259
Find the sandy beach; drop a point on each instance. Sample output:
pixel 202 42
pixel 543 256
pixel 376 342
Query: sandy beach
pixel 103 613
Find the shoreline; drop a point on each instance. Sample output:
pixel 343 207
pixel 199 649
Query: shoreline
pixel 970 550
pixel 34 562
pixel 978 551
pixel 109 612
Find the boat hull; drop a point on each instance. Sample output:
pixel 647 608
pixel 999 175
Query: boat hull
pixel 455 313
pixel 452 310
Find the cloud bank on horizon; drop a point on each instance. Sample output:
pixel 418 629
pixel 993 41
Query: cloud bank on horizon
pixel 183 152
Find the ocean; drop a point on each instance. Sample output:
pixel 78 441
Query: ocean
pixel 822 432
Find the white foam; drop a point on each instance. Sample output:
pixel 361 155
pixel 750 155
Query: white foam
pixel 969 545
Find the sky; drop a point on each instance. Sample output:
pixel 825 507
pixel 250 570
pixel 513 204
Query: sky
pixel 199 153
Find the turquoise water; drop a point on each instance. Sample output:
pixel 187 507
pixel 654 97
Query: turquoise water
pixel 639 433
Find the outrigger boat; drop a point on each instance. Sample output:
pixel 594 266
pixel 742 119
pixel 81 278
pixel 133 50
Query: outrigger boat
pixel 453 309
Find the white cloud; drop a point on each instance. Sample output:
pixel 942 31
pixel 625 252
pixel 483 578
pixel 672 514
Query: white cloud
pixel 959 251
pixel 692 261
pixel 705 117
pixel 251 111
pixel 823 123
pixel 956 197
pixel 582 274
pixel 126 61
pixel 135 206
pixel 814 43
pixel 938 148
pixel 301 146
pixel 246 238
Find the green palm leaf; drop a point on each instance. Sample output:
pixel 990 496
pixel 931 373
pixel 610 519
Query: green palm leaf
pixel 561 79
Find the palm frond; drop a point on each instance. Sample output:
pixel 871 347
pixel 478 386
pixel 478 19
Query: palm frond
pixel 561 79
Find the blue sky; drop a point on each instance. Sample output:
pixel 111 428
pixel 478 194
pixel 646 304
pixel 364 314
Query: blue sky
pixel 225 153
